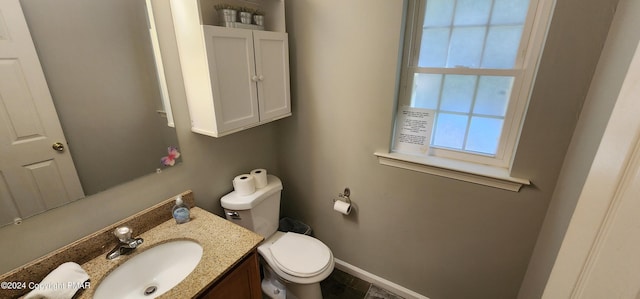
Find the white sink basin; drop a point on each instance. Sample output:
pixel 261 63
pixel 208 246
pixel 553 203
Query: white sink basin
pixel 152 272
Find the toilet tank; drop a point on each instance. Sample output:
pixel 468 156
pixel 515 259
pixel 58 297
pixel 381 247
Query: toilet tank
pixel 259 211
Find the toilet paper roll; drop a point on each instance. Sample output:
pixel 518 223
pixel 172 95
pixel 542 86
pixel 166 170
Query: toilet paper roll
pixel 260 175
pixel 342 207
pixel 244 184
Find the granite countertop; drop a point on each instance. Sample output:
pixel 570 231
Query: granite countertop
pixel 224 245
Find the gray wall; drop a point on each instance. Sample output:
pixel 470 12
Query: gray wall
pixel 620 46
pixel 439 237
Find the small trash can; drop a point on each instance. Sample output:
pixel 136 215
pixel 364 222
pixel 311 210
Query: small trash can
pixel 292 225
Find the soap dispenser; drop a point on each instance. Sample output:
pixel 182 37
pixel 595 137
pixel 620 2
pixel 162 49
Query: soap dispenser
pixel 180 211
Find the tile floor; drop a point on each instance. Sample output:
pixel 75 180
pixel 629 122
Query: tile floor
pixel 340 285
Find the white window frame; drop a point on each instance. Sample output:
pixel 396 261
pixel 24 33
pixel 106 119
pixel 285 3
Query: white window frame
pixel 466 166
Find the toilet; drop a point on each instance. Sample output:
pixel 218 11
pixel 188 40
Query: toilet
pixel 293 264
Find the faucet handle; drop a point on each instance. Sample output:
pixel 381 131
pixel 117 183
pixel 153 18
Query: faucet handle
pixel 123 233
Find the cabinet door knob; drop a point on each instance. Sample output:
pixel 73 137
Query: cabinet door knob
pixel 261 77
pixel 254 78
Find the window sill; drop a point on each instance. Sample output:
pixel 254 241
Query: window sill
pixel 486 175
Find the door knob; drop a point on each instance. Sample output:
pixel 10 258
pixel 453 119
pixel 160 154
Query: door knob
pixel 58 146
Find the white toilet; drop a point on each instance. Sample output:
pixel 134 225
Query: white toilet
pixel 293 264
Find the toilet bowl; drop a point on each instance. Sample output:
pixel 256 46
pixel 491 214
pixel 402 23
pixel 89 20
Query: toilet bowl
pixel 297 262
pixel 293 264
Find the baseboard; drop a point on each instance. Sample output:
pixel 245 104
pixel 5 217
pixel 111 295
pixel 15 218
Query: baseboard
pixel 378 281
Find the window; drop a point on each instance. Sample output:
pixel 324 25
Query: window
pixel 473 62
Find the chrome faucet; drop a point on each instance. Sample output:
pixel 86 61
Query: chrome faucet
pixel 126 245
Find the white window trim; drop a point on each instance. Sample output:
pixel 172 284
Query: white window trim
pixel 488 171
pixel 486 175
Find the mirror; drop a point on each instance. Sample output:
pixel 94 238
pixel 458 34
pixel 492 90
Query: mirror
pixel 98 60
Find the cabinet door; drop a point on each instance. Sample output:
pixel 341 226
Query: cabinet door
pixel 231 67
pixel 272 69
pixel 243 282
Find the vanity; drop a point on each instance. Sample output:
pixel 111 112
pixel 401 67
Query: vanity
pixel 228 267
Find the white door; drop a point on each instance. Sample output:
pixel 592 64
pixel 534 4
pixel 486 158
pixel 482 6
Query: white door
pixel 600 254
pixel 33 176
pixel 272 69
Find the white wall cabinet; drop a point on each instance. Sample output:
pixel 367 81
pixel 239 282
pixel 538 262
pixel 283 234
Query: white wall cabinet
pixel 234 78
pixel 249 73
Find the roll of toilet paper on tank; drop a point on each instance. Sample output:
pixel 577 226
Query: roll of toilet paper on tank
pixel 260 175
pixel 342 207
pixel 244 184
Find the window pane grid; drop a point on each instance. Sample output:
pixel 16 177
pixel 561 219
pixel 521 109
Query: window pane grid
pixel 466 71
pixel 472 33
pixel 468 26
pixel 470 109
pixel 473 103
pixel 474 115
pixel 463 143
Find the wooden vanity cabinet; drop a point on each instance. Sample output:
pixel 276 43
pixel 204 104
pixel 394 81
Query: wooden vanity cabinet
pixel 242 282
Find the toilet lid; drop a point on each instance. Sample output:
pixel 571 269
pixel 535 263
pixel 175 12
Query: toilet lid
pixel 300 255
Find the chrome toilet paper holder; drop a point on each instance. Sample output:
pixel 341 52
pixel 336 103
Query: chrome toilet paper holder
pixel 344 196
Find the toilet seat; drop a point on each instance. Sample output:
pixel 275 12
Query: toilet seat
pixel 300 255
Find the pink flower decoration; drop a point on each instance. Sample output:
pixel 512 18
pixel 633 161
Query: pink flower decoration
pixel 170 160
